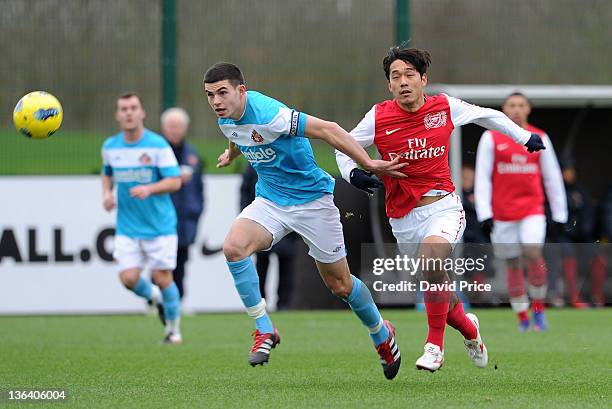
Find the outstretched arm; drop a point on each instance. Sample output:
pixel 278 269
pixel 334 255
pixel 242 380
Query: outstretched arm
pixel 336 136
pixel 463 113
pixel 363 133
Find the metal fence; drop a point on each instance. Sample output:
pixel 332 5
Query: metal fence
pixel 321 56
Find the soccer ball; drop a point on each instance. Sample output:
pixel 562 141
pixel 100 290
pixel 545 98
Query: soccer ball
pixel 38 115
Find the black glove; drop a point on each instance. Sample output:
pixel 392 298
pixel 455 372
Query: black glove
pixel 363 180
pixel 487 226
pixel 535 143
pixel 558 229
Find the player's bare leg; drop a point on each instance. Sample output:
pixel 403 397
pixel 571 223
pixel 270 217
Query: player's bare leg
pixel 355 293
pixel 129 277
pixel 537 276
pixel 132 279
pixel 171 305
pixel 245 238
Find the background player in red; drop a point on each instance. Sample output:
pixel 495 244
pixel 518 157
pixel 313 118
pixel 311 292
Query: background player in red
pixel 423 209
pixel 510 204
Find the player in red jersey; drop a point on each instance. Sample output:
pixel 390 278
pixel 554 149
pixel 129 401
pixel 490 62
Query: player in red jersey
pixel 510 204
pixel 423 208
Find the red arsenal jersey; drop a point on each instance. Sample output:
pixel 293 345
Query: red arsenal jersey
pixel 422 140
pixel 516 178
pixel 510 182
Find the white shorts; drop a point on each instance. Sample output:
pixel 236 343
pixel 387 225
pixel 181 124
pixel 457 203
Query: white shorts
pixel 444 218
pixel 318 222
pixel 156 254
pixel 508 237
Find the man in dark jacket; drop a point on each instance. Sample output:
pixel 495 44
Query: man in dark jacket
pixel 189 200
pixel 582 227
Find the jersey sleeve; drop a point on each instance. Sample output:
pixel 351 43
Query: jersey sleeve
pixel 483 186
pixel 364 135
pixel 463 113
pixel 553 182
pixel 167 163
pixel 107 170
pixel 288 122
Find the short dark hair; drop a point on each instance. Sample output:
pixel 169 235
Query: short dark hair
pixel 224 71
pixel 131 94
pixel 517 94
pixel 420 59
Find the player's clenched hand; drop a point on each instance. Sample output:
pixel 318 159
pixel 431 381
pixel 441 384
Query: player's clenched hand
pixel 535 143
pixel 224 159
pixel 109 202
pixel 389 168
pixel 141 192
pixel 363 180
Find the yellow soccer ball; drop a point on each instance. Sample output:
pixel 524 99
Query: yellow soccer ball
pixel 38 115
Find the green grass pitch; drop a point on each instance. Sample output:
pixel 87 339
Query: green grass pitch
pixel 325 360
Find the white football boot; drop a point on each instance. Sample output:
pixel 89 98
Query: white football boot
pixel 432 358
pixel 476 349
pixel 173 338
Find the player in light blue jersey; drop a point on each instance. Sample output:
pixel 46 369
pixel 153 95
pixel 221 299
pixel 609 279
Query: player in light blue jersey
pixel 292 194
pixel 144 170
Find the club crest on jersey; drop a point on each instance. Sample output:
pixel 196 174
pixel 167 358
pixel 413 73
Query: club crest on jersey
pixel 435 120
pixel 256 137
pixel 144 159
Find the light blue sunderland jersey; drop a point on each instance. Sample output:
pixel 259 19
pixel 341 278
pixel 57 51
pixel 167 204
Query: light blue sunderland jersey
pixel 271 138
pixel 145 161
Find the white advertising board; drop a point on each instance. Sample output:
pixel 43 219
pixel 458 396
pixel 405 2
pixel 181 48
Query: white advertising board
pixel 56 243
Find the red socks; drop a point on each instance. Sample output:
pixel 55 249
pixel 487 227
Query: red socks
pixel 570 270
pixel 457 319
pixel 598 279
pixel 537 272
pixel 537 306
pixel 537 276
pixel 436 305
pixel 516 282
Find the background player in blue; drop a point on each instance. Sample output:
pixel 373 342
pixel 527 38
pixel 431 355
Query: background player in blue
pixel 143 167
pixel 292 194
